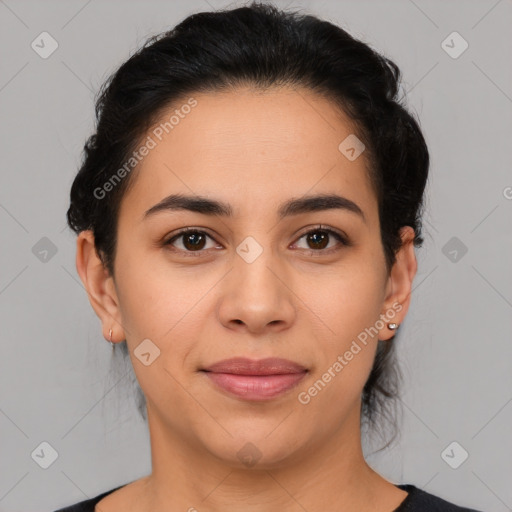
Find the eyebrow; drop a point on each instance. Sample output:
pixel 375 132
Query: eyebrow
pixel 294 206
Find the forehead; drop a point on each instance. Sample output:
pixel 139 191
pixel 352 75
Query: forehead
pixel 249 148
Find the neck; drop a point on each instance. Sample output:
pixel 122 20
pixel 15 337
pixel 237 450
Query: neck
pixel 188 477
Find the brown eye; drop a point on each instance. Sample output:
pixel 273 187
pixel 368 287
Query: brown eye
pixel 318 239
pixel 192 240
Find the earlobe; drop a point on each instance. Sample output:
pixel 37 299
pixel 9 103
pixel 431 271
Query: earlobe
pixel 399 284
pixel 98 284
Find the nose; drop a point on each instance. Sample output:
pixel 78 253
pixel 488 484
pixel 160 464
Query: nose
pixel 257 297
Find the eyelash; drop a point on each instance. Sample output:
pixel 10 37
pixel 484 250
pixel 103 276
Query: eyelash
pixel 338 236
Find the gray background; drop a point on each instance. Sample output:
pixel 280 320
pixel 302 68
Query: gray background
pixel 56 382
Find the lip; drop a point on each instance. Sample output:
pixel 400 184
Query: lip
pixel 255 380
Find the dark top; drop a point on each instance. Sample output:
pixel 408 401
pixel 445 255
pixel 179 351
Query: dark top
pixel 416 501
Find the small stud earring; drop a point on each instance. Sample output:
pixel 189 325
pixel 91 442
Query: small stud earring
pixel 393 326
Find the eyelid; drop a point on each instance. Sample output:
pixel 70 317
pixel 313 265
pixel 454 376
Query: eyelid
pixel 169 241
pixel 326 228
pixel 342 238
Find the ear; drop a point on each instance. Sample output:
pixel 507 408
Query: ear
pixel 99 286
pixel 399 285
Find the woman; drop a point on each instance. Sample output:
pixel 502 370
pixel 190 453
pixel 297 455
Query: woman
pixel 247 213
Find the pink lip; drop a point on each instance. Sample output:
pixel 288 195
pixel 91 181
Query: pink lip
pixel 256 380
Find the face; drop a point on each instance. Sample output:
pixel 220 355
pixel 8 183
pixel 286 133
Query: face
pixel 266 271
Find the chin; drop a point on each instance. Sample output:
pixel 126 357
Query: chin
pixel 255 449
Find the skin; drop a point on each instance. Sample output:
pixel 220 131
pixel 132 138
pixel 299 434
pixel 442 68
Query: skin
pixel 253 150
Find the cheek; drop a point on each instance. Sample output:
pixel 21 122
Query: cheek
pixel 165 305
pixel 153 295
pixel 349 306
pixel 347 301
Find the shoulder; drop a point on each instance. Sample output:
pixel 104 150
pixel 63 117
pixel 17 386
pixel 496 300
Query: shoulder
pixel 87 505
pixel 418 501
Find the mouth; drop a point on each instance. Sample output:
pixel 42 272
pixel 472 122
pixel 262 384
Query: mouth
pixel 255 380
